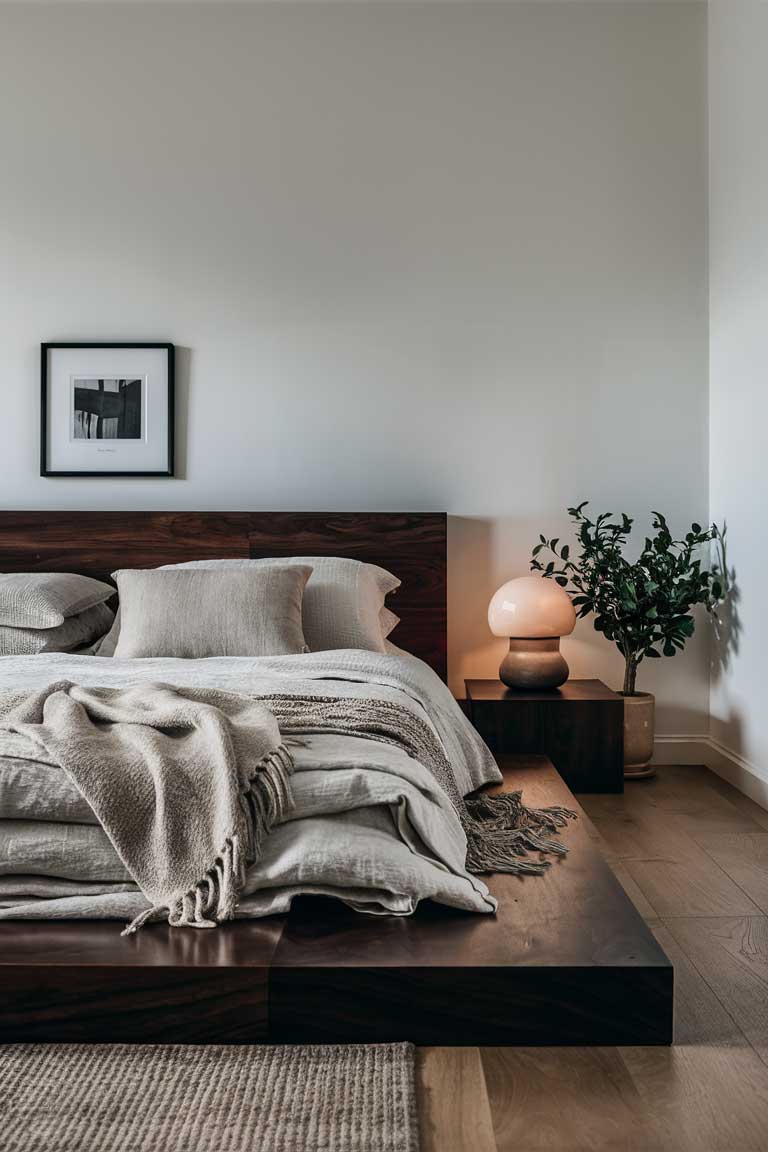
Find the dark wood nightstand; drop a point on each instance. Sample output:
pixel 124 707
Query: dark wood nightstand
pixel 580 727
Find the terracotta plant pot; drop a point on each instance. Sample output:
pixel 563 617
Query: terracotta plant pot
pixel 639 728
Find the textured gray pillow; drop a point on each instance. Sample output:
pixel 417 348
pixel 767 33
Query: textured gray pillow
pixel 343 600
pixel 47 599
pixel 74 632
pixel 197 614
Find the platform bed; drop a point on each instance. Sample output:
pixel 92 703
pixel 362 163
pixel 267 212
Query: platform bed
pixel 567 960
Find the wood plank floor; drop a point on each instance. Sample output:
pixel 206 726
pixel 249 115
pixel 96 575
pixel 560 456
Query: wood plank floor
pixel 692 854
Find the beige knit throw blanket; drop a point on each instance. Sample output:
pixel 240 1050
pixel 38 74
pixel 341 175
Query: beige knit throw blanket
pixel 501 832
pixel 185 782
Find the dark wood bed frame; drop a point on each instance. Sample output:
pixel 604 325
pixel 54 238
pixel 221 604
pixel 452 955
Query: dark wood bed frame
pixel 567 960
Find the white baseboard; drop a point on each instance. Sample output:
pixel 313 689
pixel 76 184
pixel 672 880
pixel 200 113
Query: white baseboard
pixel 704 749
pixel 691 749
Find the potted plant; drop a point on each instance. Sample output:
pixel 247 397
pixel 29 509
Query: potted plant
pixel 643 606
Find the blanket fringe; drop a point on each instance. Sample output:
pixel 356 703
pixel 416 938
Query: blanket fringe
pixel 501 832
pixel 265 799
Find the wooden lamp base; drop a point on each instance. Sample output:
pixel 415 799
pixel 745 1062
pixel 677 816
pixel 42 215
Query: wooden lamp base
pixel 533 663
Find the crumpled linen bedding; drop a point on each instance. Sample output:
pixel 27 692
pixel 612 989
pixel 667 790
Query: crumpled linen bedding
pixel 370 824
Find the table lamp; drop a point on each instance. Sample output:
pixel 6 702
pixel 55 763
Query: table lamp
pixel 534 613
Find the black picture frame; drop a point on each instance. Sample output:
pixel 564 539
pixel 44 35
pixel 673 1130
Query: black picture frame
pixel 170 350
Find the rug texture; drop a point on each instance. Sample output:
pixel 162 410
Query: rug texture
pixel 207 1098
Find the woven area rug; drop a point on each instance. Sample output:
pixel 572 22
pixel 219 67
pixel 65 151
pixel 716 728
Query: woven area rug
pixel 212 1098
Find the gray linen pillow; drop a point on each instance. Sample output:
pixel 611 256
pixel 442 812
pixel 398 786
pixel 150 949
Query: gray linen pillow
pixel 343 601
pixel 198 614
pixel 74 632
pixel 47 599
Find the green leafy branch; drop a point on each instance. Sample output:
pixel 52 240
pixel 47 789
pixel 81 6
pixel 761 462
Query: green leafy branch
pixel 643 607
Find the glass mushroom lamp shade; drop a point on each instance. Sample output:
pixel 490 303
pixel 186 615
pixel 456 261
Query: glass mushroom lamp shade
pixel 534 613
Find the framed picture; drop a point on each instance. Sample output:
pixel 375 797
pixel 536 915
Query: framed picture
pixel 106 409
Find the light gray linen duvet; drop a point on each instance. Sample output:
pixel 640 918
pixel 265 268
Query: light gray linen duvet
pixel 370 824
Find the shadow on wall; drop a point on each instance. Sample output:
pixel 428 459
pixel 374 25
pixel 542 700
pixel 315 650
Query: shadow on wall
pixel 727 623
pixel 728 731
pixel 727 726
pixel 183 368
pixel 472 650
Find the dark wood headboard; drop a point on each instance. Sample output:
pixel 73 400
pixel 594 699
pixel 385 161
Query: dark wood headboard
pixel 412 545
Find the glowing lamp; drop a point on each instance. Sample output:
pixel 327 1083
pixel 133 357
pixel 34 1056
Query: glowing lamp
pixel 534 613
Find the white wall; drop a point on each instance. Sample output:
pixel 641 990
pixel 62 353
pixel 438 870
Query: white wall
pixel 415 256
pixel 738 35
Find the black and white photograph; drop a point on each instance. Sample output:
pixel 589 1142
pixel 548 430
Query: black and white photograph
pixel 106 409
